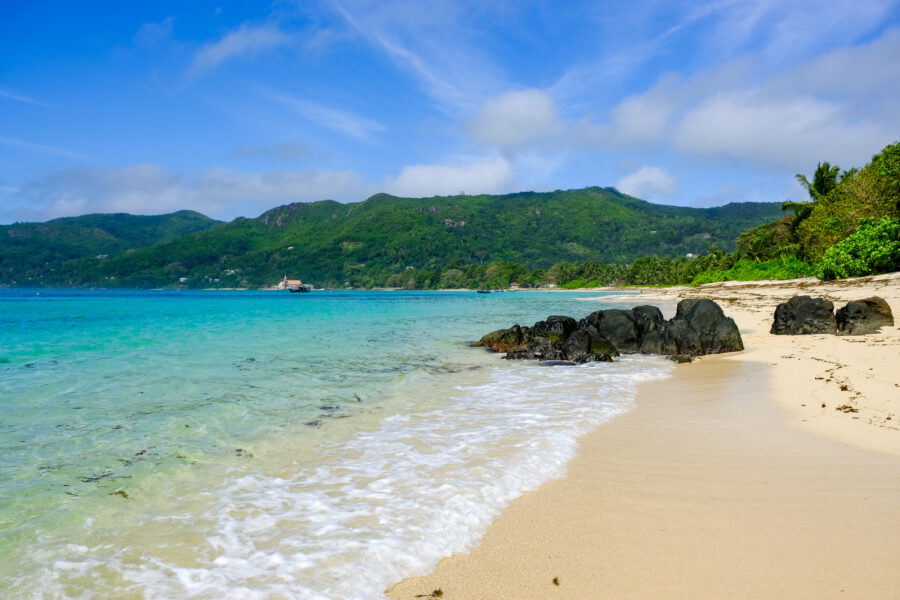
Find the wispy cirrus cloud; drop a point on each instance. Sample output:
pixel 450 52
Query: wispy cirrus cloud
pixel 344 122
pixel 434 42
pixel 20 98
pixel 243 41
pixel 689 37
pixel 42 148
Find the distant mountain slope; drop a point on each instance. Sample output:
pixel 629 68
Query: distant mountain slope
pixel 30 250
pixel 330 243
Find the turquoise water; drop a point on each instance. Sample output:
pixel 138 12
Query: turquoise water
pixel 261 444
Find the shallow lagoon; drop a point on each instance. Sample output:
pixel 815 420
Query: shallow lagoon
pixel 250 444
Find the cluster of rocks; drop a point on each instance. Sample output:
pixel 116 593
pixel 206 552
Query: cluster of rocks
pixel 804 315
pixel 698 327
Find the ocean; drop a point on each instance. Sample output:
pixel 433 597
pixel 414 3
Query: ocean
pixel 255 444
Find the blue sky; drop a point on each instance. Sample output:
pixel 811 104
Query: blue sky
pixel 233 108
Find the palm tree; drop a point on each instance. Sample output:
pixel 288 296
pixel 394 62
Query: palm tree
pixel 825 179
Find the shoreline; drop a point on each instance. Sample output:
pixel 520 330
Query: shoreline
pixel 728 479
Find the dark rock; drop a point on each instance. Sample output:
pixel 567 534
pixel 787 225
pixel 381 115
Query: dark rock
pixel 558 363
pixel 519 354
pixel 601 345
pixel 655 342
pixel 585 345
pixel 537 348
pixel 578 345
pixel 864 316
pixel 648 318
pixel 618 326
pixel 680 358
pixel 555 328
pixel 708 330
pixel 699 327
pixel 598 357
pixel 804 315
pixel 502 339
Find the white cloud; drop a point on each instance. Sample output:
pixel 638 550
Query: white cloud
pixel 482 177
pixel 347 123
pixel 777 132
pixel 515 120
pixel 225 193
pixel 648 183
pixel 151 189
pixel 835 107
pixel 245 40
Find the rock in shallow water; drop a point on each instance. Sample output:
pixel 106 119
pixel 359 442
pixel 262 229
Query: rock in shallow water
pixel 699 327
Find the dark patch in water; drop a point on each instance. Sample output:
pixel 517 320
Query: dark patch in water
pixel 313 423
pixel 557 363
pixel 328 408
pixel 4 360
pixel 30 365
pixel 95 478
pixel 358 399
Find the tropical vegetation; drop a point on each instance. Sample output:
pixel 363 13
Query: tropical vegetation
pixel 416 243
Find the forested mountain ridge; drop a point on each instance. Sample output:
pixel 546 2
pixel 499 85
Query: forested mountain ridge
pixel 30 250
pixel 365 243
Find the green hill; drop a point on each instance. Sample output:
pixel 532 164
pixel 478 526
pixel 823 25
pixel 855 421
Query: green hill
pixel 364 243
pixel 31 252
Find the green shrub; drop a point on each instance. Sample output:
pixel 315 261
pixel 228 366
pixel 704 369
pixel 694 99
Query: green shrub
pixel 788 267
pixel 871 192
pixel 873 248
pixel 575 283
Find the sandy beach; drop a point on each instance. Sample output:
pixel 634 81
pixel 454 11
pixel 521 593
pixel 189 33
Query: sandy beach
pixel 769 473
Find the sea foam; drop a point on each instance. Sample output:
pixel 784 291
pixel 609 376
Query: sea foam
pixel 390 503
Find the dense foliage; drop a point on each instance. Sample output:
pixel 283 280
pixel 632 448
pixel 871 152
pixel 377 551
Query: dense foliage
pixel 873 191
pixel 836 232
pixel 31 253
pixel 873 248
pixel 466 241
pixel 786 267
